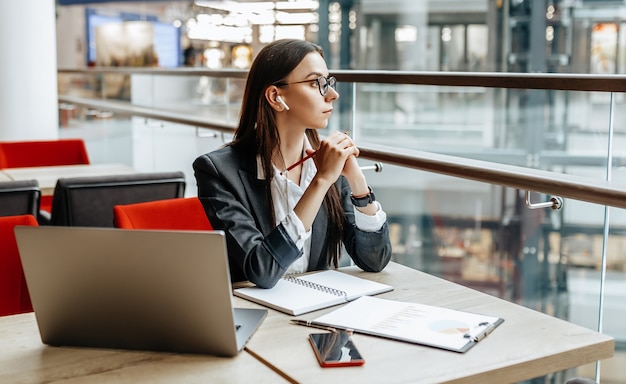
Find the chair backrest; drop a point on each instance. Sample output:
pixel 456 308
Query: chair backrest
pixel 39 153
pixel 185 214
pixel 14 297
pixel 19 198
pixel 89 201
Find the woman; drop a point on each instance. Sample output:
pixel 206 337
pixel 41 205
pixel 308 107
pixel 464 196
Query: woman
pixel 278 221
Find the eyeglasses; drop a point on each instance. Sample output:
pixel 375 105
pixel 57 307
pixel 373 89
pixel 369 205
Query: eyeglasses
pixel 323 83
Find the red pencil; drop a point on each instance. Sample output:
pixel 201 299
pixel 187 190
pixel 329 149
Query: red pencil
pixel 305 158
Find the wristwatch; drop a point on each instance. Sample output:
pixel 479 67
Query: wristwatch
pixel 365 200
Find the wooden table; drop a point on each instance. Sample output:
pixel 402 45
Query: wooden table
pixel 528 344
pixel 47 176
pixel 24 359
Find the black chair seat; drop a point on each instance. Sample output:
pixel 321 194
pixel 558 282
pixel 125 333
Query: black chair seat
pixel 19 198
pixel 89 201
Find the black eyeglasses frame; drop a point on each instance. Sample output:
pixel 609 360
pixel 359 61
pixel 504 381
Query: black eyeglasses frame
pixel 329 82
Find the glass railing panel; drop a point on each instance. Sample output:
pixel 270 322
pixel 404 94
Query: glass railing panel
pixel 463 231
pixel 583 247
pixel 202 96
pixel 109 86
pixel 549 130
pixel 484 237
pixel 213 97
pixel 114 86
pixel 422 116
pixel 618 148
pixel 78 84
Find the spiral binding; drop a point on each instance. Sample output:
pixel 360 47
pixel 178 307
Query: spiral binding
pixel 316 286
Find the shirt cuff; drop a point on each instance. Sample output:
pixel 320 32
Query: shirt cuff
pixel 295 229
pixel 369 223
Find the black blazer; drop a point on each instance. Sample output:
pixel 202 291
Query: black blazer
pixel 234 199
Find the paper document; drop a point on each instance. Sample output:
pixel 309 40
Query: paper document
pixel 415 323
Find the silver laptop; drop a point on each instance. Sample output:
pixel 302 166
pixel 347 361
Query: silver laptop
pixel 134 289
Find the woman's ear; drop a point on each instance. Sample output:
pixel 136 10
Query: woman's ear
pixel 275 100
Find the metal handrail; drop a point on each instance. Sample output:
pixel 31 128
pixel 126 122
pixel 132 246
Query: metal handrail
pixel 563 185
pixel 149 113
pixel 551 81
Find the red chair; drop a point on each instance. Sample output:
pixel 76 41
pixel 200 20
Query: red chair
pixel 40 153
pixel 181 213
pixel 14 297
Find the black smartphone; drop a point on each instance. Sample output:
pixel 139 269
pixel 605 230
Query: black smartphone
pixel 335 349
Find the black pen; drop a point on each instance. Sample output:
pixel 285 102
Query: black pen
pixel 308 323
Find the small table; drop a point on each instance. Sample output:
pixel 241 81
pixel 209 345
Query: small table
pixel 47 176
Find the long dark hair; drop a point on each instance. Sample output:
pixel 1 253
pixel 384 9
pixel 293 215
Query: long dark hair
pixel 257 130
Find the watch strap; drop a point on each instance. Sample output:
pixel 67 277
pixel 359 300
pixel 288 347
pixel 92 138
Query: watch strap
pixel 364 200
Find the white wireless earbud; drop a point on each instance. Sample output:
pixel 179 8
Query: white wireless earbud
pixel 282 102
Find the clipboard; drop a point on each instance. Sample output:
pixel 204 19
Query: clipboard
pixel 422 324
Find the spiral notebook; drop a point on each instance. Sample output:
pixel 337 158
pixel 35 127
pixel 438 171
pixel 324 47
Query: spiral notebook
pixel 296 295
